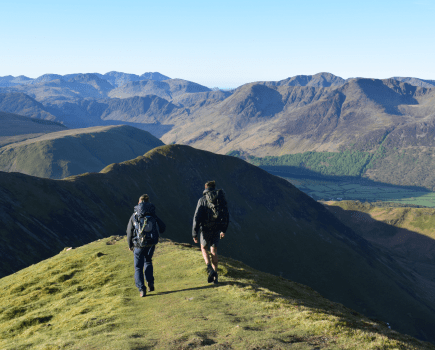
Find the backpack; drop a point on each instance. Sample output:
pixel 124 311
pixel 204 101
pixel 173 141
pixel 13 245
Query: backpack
pixel 217 215
pixel 146 230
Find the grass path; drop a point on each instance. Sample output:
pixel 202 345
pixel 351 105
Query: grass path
pixel 85 298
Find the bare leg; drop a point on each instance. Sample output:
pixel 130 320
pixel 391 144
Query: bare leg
pixel 214 258
pixel 205 255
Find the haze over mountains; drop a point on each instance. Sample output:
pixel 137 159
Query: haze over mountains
pixel 309 245
pixel 114 78
pixel 391 121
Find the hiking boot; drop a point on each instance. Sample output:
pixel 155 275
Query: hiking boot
pixel 151 288
pixel 210 273
pixel 215 278
pixel 142 293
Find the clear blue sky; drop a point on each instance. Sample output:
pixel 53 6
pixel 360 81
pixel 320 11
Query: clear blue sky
pixel 219 43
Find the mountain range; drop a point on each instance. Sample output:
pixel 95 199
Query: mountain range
pixel 309 245
pixel 389 122
pixel 114 78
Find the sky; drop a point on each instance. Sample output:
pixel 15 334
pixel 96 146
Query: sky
pixel 222 43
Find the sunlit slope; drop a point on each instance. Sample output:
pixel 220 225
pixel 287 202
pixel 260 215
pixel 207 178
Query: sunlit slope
pixel 71 152
pixel 418 220
pixel 274 227
pixel 85 298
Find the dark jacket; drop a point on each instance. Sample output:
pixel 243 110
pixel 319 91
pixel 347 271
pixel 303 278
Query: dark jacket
pixel 201 216
pixel 142 208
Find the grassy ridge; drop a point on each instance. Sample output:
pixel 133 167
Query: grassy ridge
pixel 85 298
pixel 73 152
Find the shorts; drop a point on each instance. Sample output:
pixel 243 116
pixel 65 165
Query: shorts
pixel 210 239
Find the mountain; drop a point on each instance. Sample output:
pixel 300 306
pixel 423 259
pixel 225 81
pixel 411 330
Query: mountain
pixel 200 99
pixel 54 90
pixel 146 113
pixel 71 152
pixel 101 85
pixel 9 80
pixel 51 87
pixel 22 104
pixel 84 298
pixel 309 245
pixel 154 76
pixel 167 89
pixel 316 80
pixel 46 78
pixel 389 121
pixel 118 79
pixel 147 109
pixel 273 120
pixel 417 81
pixel 16 128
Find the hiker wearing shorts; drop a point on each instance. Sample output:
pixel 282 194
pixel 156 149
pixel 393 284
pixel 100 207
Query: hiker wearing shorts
pixel 210 221
pixel 143 251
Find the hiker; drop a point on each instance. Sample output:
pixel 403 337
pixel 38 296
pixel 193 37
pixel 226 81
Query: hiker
pixel 143 232
pixel 211 219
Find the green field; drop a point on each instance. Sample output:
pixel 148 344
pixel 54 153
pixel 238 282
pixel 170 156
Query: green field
pixel 327 188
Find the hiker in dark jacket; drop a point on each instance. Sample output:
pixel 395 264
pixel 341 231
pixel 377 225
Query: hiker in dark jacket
pixel 210 221
pixel 143 254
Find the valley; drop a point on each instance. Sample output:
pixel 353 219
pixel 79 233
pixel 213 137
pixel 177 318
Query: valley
pixel 323 188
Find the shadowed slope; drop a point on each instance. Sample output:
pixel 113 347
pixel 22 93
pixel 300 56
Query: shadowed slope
pixel 16 128
pixel 19 103
pixel 274 227
pixel 405 233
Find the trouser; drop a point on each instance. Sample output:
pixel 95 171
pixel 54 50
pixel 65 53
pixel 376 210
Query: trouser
pixel 143 261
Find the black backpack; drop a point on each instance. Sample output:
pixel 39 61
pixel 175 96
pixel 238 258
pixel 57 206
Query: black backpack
pixel 146 230
pixel 217 215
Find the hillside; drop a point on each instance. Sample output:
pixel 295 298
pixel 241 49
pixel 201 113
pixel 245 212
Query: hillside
pixel 405 233
pixel 72 152
pixel 16 128
pixel 22 104
pixel 309 245
pixel 85 298
pixel 274 120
